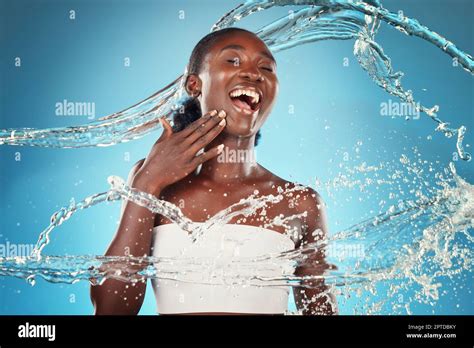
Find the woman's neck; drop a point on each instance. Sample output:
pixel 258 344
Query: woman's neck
pixel 236 162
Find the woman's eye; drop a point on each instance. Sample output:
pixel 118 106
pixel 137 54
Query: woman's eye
pixel 236 62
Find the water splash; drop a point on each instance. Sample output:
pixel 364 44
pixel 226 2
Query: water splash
pixel 418 239
pixel 413 244
pixel 119 190
pixel 321 20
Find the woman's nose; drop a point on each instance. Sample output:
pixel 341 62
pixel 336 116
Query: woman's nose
pixel 251 74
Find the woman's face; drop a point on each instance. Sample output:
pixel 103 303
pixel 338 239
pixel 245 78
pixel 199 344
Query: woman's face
pixel 238 76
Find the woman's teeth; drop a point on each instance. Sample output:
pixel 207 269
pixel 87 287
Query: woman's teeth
pixel 238 92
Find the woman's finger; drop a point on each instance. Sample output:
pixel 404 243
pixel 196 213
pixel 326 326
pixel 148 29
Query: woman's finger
pixel 206 156
pixel 166 126
pixel 167 129
pixel 203 129
pixel 198 123
pixel 207 138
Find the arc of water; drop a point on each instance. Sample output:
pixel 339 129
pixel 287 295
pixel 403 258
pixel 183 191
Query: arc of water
pixel 322 20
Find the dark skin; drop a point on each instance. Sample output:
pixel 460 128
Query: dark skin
pixel 170 173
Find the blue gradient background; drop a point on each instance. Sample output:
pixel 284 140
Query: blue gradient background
pixel 82 60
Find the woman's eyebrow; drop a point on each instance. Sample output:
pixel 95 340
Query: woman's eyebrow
pixel 242 48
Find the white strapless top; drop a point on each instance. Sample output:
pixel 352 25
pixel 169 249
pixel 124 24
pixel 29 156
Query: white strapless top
pixel 219 245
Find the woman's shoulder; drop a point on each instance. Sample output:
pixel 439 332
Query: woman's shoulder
pixel 304 198
pixel 304 191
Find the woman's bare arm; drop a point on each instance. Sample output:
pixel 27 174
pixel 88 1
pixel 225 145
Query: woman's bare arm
pixel 133 238
pixel 313 298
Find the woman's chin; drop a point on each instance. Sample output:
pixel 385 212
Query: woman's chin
pixel 238 131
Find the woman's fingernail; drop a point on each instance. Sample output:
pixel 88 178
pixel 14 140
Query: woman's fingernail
pixel 222 114
pixel 222 123
pixel 220 148
pixel 213 113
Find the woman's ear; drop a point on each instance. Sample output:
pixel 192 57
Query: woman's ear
pixel 193 85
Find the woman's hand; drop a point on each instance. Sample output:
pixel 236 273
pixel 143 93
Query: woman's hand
pixel 173 156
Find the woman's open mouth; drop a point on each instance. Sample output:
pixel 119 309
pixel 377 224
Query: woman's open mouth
pixel 246 100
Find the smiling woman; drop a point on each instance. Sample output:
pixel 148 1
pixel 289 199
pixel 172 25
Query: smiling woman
pixel 247 99
pixel 232 84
